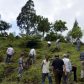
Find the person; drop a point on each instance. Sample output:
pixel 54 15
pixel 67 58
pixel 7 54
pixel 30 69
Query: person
pixel 45 70
pixel 78 44
pixel 49 43
pixel 32 55
pixel 58 44
pixel 82 64
pixel 74 70
pixel 57 66
pixel 20 67
pixel 10 53
pixel 67 70
pixel 28 63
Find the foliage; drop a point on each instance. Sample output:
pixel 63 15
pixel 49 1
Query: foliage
pixel 26 18
pixel 1 72
pixel 4 26
pixel 10 38
pixel 43 25
pixel 1 57
pixel 32 76
pixel 62 38
pixel 34 42
pixel 31 41
pixel 51 37
pixel 59 25
pixel 17 37
pixel 76 31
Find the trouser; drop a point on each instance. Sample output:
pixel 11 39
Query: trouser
pixel 20 69
pixel 32 59
pixel 49 45
pixel 44 75
pixel 58 75
pixel 74 69
pixel 8 58
pixel 67 78
pixel 78 47
pixel 82 69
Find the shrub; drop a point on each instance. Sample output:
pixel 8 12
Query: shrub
pixel 62 38
pixel 1 57
pixel 51 37
pixel 31 41
pixel 2 72
pixel 32 76
pixel 8 70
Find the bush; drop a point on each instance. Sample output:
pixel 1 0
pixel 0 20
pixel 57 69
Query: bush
pixel 31 41
pixel 8 70
pixel 33 76
pixel 62 38
pixel 2 72
pixel 51 37
pixel 1 57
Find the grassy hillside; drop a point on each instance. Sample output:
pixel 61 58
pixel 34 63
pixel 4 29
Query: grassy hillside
pixel 8 72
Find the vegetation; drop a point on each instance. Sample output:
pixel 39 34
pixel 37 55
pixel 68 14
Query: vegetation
pixel 59 25
pixel 9 73
pixel 26 18
pixel 4 26
pixel 43 25
pixel 35 27
pixel 76 31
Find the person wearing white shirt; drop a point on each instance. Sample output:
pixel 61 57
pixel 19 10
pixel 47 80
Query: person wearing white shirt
pixel 67 70
pixel 45 70
pixel 10 52
pixel 32 55
pixel 58 44
pixel 49 43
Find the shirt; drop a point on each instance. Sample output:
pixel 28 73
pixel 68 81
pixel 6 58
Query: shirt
pixel 10 51
pixel 45 66
pixel 49 42
pixel 68 65
pixel 58 64
pixel 20 60
pixel 32 52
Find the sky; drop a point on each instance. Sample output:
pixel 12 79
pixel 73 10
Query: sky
pixel 66 10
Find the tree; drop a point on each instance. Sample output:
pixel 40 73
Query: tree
pixel 76 31
pixel 4 26
pixel 43 25
pixel 51 36
pixel 59 25
pixel 26 18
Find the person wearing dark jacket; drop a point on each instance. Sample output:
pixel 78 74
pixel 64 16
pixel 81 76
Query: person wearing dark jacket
pixel 58 65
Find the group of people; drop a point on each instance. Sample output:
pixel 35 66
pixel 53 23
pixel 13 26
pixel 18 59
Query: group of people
pixel 58 44
pixel 21 64
pixel 62 69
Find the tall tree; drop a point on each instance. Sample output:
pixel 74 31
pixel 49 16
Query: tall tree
pixel 4 26
pixel 76 31
pixel 43 25
pixel 26 18
pixel 59 25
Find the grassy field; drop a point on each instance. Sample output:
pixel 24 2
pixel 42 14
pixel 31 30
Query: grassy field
pixel 9 74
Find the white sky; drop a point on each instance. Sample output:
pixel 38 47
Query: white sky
pixel 67 10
